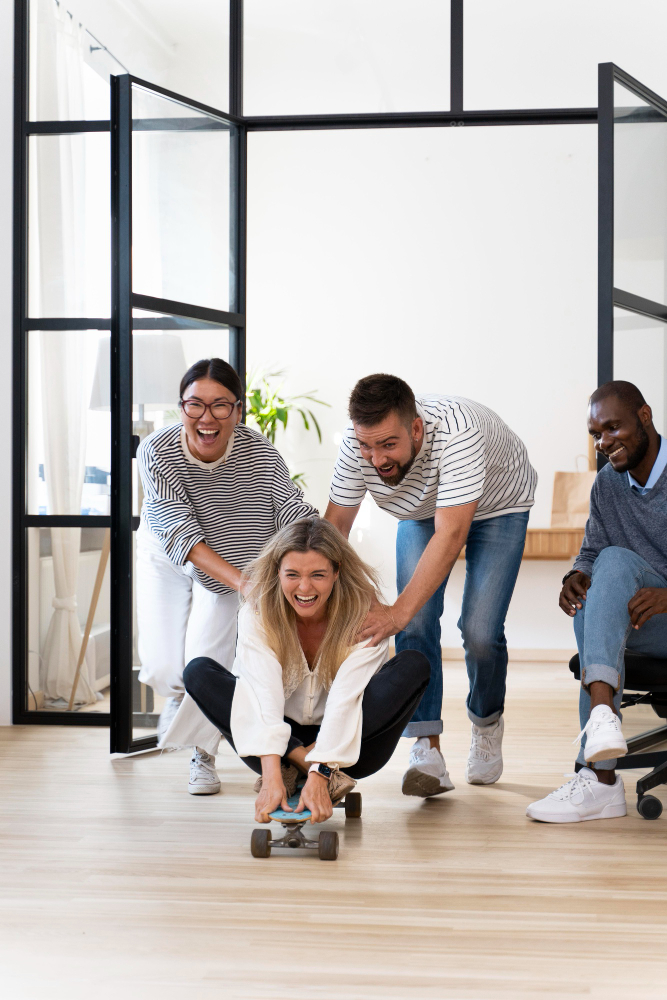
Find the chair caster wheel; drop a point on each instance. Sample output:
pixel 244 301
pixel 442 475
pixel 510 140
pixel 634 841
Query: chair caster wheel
pixel 327 845
pixel 260 844
pixel 353 805
pixel 649 806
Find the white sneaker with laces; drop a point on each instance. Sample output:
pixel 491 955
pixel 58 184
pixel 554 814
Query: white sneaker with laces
pixel 169 710
pixel 581 798
pixel 485 760
pixel 204 778
pixel 604 739
pixel 427 772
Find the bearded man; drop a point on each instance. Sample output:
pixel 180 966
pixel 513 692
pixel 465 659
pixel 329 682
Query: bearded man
pixel 454 474
pixel 616 593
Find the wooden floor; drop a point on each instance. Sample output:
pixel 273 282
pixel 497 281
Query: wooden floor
pixel 115 883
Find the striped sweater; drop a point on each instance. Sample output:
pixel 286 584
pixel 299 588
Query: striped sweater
pixel 235 505
pixel 468 453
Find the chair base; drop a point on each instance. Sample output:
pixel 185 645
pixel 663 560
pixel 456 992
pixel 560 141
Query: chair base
pixel 645 675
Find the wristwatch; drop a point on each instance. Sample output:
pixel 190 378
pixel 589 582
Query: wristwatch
pixel 568 575
pixel 323 769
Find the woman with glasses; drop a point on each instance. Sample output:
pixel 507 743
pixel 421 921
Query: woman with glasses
pixel 215 492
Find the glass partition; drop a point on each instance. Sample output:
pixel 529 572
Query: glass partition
pixel 69 630
pixel 640 195
pixel 545 53
pixel 69 226
pixel 337 56
pixel 180 204
pixel 77 45
pixel 640 356
pixel 163 348
pixel 69 423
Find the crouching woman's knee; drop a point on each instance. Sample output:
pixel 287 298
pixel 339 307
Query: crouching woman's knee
pixel 199 674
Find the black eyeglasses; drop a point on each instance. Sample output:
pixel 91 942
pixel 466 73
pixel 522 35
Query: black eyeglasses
pixel 194 408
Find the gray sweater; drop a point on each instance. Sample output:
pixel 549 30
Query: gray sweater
pixel 620 516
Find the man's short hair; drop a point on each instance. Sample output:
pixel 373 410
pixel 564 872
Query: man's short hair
pixel 626 392
pixel 376 396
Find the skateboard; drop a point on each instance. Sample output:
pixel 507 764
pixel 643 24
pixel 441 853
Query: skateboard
pixel 326 845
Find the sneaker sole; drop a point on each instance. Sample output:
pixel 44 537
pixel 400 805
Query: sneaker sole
pixel 606 753
pixel 490 780
pixel 415 782
pixel 609 812
pixel 204 789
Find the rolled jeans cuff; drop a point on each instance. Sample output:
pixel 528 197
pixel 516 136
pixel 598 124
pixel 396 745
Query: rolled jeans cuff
pixel 423 728
pixel 487 721
pixel 600 672
pixel 599 765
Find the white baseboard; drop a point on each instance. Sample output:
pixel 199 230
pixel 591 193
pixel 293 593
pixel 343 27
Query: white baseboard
pixel 519 655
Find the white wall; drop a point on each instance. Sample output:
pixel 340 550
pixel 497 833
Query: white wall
pixel 463 260
pixel 6 192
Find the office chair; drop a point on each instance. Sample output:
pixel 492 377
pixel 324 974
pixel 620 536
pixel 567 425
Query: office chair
pixel 645 684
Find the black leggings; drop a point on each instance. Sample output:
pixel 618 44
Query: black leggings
pixel 389 701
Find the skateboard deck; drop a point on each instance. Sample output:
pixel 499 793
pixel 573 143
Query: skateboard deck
pixel 291 817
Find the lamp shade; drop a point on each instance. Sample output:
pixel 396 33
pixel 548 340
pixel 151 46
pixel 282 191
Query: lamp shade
pixel 158 365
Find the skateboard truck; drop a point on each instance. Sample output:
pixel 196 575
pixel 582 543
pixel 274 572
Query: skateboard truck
pixel 326 845
pixel 295 837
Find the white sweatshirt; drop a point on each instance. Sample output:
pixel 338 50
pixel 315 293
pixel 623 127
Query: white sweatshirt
pixel 261 701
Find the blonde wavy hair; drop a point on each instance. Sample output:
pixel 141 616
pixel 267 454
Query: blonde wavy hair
pixel 347 606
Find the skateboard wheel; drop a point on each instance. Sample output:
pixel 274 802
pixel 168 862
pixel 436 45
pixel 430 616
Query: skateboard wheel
pixel 260 843
pixel 353 805
pixel 327 845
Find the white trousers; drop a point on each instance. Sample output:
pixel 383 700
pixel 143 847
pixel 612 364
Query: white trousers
pixel 178 619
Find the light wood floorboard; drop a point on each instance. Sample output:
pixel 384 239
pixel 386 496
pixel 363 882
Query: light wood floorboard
pixel 115 883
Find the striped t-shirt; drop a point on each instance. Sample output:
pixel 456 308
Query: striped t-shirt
pixel 468 453
pixel 235 504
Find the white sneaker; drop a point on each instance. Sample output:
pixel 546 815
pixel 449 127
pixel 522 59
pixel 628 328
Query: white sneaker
pixel 169 710
pixel 582 798
pixel 485 760
pixel 204 778
pixel 427 771
pixel 604 739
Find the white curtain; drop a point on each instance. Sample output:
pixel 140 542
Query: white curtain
pixel 59 228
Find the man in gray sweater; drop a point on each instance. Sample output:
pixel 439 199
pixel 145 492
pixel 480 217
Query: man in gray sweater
pixel 616 593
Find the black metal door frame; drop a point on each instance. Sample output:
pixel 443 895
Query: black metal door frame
pixel 609 296
pixel 120 519
pixel 124 300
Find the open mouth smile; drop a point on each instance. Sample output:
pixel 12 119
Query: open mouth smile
pixel 305 602
pixel 387 471
pixel 207 436
pixel 615 454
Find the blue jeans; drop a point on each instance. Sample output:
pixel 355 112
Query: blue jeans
pixel 493 556
pixel 603 630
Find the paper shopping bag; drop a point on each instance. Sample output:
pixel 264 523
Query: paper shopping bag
pixel 572 491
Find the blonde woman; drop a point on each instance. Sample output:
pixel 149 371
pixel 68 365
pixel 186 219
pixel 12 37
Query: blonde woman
pixel 303 696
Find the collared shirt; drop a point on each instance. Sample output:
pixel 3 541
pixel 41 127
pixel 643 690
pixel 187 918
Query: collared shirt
pixel 468 453
pixel 262 701
pixel 656 471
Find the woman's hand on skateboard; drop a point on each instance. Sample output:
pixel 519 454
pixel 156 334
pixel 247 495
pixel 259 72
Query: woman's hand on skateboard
pixel 315 796
pixel 272 796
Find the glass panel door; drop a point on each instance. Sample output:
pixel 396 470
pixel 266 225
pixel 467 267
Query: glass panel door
pixel 632 236
pixel 177 253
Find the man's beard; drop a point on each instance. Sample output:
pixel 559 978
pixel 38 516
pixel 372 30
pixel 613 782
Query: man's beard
pixel 402 471
pixel 639 453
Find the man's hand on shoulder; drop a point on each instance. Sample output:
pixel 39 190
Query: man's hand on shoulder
pixel 647 602
pixel 574 593
pixel 382 621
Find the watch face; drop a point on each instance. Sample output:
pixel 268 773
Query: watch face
pixel 324 771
